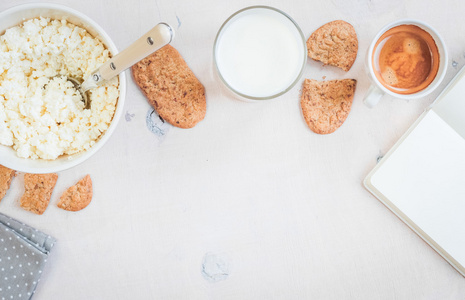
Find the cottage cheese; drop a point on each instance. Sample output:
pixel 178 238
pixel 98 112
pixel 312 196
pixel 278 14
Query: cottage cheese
pixel 41 113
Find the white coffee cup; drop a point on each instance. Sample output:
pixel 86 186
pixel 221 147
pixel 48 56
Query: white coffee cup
pixel 377 89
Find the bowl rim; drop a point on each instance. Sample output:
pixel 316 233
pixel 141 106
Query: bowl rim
pixel 73 159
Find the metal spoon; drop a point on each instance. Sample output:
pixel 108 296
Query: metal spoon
pixel 157 37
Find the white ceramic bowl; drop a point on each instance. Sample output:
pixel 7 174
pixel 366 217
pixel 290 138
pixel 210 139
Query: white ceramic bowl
pixel 17 15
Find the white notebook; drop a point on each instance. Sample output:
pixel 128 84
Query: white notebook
pixel 422 178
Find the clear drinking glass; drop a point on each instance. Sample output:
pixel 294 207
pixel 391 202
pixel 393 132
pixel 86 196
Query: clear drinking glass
pixel 259 53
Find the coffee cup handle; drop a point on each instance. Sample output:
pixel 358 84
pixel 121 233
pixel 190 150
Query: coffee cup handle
pixel 373 96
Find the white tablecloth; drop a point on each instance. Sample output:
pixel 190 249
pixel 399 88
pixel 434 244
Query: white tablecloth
pixel 249 204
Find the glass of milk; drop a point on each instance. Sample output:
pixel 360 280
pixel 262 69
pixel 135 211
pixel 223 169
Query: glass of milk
pixel 259 53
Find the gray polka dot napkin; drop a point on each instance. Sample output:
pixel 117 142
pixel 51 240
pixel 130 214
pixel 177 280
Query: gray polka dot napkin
pixel 23 254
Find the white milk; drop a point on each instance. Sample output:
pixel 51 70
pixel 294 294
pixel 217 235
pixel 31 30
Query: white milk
pixel 260 53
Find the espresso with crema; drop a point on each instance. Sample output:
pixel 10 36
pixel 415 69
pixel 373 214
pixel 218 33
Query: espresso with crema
pixel 406 59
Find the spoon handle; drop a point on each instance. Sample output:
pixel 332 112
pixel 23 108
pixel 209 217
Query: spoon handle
pixel 157 37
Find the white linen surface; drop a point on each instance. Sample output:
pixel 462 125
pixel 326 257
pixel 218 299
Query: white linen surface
pixel 281 209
